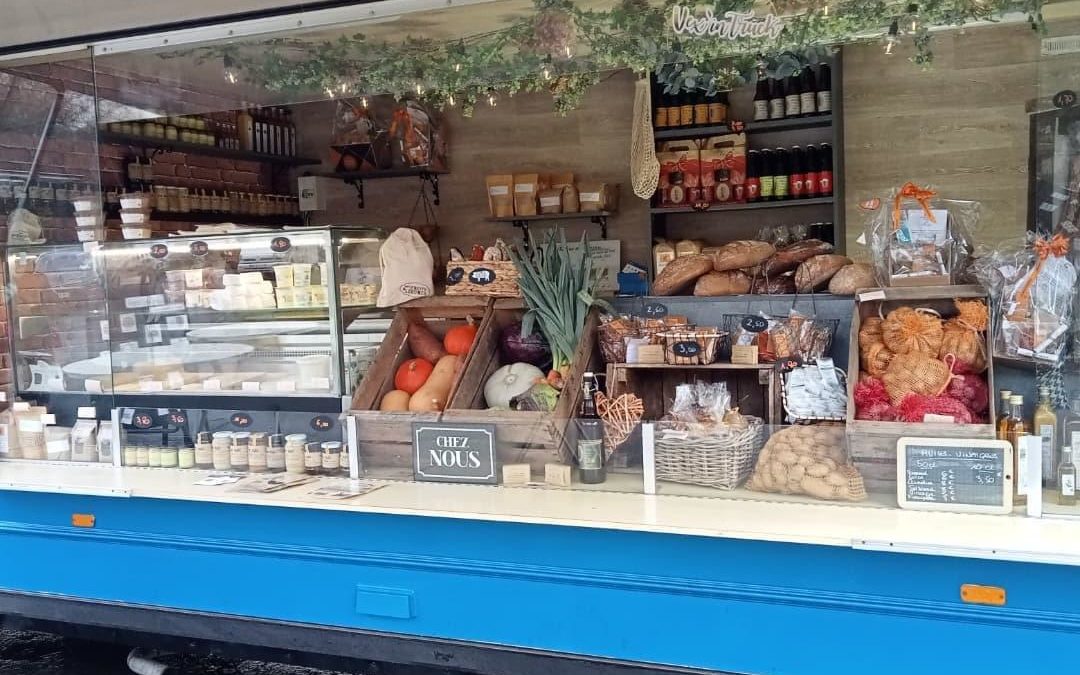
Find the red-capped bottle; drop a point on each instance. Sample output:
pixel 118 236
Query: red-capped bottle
pixel 825 177
pixel 753 176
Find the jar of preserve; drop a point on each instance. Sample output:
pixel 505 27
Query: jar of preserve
pixel 142 455
pixel 331 458
pixel 170 456
pixel 185 457
pixel 313 458
pixel 257 451
pixel 154 456
pixel 294 452
pixel 131 455
pixel 204 451
pixel 222 443
pixel 238 454
pixel 275 454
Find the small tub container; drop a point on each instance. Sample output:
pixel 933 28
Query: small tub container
pixel 136 232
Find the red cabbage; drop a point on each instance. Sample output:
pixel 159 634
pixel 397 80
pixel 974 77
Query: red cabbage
pixel 532 349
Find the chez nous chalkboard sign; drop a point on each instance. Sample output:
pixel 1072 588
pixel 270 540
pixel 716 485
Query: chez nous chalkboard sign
pixel 454 453
pixel 954 474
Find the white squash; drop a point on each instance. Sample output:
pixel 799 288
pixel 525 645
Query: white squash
pixel 508 382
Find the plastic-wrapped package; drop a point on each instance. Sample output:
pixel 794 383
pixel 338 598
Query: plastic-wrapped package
pixel 919 239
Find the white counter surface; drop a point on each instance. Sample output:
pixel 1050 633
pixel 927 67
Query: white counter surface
pixel 1017 538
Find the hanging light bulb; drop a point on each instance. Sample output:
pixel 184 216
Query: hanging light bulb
pixel 419 89
pixel 457 67
pixel 825 10
pixel 450 100
pixel 568 52
pixel 363 101
pixel 491 99
pixel 546 72
pixel 330 92
pixel 231 72
pixel 891 39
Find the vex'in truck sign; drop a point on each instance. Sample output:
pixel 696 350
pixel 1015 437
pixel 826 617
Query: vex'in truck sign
pixel 454 453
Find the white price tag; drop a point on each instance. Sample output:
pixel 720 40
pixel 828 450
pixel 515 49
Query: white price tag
pixel 127 415
pixel 20 406
pixel 211 385
pixel 872 295
pixel 87 412
pixel 48 418
pixel 92 386
pixel 249 386
pixel 30 426
pixel 105 330
pixel 127 323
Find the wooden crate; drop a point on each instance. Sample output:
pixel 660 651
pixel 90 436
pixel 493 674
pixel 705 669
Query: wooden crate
pixel 384 439
pixel 873 444
pixel 523 437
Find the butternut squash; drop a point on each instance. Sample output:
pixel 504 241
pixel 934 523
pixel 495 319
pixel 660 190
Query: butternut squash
pixel 433 395
pixel 395 400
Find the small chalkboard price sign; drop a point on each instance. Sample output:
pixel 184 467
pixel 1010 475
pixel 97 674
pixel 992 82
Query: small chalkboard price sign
pixel 454 453
pixel 954 474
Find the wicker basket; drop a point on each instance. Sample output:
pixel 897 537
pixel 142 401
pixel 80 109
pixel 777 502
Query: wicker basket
pixel 489 278
pixel 720 460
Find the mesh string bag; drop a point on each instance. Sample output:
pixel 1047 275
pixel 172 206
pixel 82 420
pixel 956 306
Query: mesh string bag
pixel 915 373
pixel 964 336
pixel 907 330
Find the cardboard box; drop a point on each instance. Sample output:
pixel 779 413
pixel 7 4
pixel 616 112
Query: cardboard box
pixel 680 173
pixel 723 169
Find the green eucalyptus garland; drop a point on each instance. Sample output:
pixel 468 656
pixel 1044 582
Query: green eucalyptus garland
pixel 561 49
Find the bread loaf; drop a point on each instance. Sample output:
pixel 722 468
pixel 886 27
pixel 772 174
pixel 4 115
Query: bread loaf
pixel 816 272
pixel 790 257
pixel 731 282
pixel 851 278
pixel 785 283
pixel 678 274
pixel 736 255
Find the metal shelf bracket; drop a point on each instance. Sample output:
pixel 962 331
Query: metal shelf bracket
pixel 357 183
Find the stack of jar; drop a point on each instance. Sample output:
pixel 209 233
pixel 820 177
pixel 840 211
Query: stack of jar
pixel 163 455
pixel 257 452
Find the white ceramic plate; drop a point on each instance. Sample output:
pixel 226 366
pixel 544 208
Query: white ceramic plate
pixel 255 329
pixel 166 355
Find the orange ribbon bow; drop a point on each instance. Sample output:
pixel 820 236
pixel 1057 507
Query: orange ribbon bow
pixel 912 191
pixel 1056 246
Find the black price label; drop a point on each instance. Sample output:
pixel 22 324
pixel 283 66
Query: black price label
pixel 177 418
pixel 142 421
pixel 1066 98
pixel 686 349
pixel 240 420
pixel 280 244
pixel 159 251
pixel 754 324
pixel 454 276
pixel 482 276
pixel 654 310
pixel 322 423
pixel 199 248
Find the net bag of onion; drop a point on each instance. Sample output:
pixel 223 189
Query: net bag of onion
pixel 972 391
pixel 808 460
pixel 907 330
pixel 915 408
pixel 915 373
pixel 872 401
pixel 963 336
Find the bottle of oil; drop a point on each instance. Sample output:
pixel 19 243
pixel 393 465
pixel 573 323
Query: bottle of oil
pixel 1001 425
pixel 1044 425
pixel 1066 479
pixel 1017 427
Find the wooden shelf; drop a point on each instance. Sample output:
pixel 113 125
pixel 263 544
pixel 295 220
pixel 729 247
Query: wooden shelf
pixel 765 126
pixel 748 206
pixel 551 216
pixel 382 173
pixel 212 218
pixel 711 366
pixel 163 145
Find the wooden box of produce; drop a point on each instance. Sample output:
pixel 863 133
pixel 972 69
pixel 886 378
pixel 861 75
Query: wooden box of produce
pixel 413 377
pixel 872 444
pixel 523 436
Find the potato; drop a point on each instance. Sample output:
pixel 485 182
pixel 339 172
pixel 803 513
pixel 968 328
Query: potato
pixel 423 343
pixel 835 478
pixel 787 457
pixel 817 470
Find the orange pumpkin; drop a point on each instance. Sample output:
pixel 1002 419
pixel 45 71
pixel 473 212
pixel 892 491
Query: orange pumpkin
pixel 459 339
pixel 412 375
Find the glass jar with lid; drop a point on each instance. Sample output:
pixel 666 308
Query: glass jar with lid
pixel 294 452
pixel 238 454
pixel 222 444
pixel 313 458
pixel 257 452
pixel 170 456
pixel 331 458
pixel 204 450
pixel 275 454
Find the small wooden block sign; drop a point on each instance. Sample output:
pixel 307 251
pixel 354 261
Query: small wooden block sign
pixel 954 474
pixel 744 354
pixel 454 453
pixel 557 474
pixel 516 474
pixel 650 354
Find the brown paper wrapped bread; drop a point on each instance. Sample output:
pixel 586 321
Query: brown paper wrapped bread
pixel 680 273
pixel 816 272
pixel 737 255
pixel 731 282
pixel 785 283
pixel 790 257
pixel 851 278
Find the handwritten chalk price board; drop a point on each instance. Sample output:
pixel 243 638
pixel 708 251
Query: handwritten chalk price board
pixel 954 474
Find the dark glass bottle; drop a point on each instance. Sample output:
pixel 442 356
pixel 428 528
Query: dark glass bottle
pixel 781 175
pixel 753 176
pixel 701 111
pixel 797 182
pixel 825 177
pixel 660 111
pixel 761 98
pixel 808 89
pixel 824 88
pixel 590 436
pixel 765 178
pixel 686 110
pixel 792 96
pixel 776 100
pixel 718 107
pixel 812 164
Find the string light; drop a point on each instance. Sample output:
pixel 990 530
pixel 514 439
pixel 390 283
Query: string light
pixel 343 87
pixel 825 10
pixel 547 73
pixel 330 92
pixel 568 52
pixel 419 89
pixel 457 67
pixel 913 10
pixel 891 39
pixel 363 101
pixel 491 99
pixel 450 100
